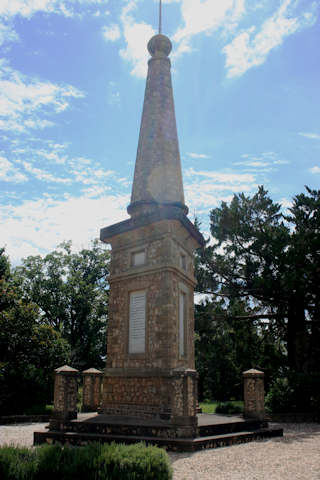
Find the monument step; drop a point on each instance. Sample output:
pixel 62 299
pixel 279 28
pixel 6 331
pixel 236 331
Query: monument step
pixel 231 427
pixel 209 425
pixel 172 444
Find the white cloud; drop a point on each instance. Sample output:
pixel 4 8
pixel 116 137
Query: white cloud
pixel 136 36
pixel 269 154
pixel 39 151
pixel 281 162
pixel 111 32
pixel 222 177
pixel 255 164
pixel 208 189
pixel 24 101
pixel 95 191
pixel 7 33
pixel 197 155
pixel 199 16
pixel 88 175
pixel 203 195
pixel 205 16
pixel 60 167
pixel 27 8
pixel 315 169
pixel 312 135
pixel 261 161
pixel 9 9
pixel 44 176
pixel 286 204
pixel 250 48
pixel 52 156
pixel 9 173
pixel 38 226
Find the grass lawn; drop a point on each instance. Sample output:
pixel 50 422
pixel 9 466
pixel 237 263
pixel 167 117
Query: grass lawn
pixel 209 406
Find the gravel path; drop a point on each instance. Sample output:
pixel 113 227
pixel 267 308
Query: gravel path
pixel 296 456
pixel 21 434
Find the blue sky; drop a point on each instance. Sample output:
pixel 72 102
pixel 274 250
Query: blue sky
pixel 246 77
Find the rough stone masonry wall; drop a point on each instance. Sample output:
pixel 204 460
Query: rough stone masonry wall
pixel 162 277
pixel 158 311
pixel 150 397
pixel 163 241
pixel 136 396
pixel 65 393
pixel 162 329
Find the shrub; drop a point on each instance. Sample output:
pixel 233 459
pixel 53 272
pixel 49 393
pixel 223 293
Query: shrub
pixel 134 462
pixel 39 410
pixel 92 462
pixel 297 392
pixel 17 463
pixel 228 408
pixel 280 398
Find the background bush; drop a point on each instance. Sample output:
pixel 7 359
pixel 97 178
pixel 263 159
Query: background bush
pixel 294 393
pixel 92 462
pixel 228 408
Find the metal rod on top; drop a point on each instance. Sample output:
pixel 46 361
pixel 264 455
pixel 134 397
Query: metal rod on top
pixel 160 17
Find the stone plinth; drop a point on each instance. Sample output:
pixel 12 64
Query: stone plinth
pixel 91 393
pixel 165 395
pixel 65 396
pixel 253 382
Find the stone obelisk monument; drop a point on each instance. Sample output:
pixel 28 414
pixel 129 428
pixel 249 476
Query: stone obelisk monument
pixel 150 372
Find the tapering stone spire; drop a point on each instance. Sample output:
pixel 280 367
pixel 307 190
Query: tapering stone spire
pixel 157 177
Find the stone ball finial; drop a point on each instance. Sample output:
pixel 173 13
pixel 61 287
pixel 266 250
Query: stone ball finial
pixel 159 46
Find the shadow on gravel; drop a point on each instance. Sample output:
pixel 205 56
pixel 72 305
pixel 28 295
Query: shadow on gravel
pixel 297 432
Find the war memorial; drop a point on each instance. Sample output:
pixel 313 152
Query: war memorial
pixel 148 390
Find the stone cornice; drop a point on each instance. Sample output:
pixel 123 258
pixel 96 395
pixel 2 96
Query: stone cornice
pixel 163 212
pixel 149 372
pixel 151 270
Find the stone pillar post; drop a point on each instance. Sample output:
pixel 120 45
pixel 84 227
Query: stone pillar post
pixel 65 396
pixel 253 383
pixel 183 387
pixel 91 394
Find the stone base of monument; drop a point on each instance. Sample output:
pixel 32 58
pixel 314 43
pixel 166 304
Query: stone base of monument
pixel 212 431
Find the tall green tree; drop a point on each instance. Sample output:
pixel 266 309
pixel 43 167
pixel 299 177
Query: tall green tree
pixel 303 273
pixel 5 290
pixel 29 351
pixel 229 342
pixel 71 291
pixel 272 262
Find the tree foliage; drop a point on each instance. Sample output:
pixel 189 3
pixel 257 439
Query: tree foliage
pixel 29 351
pixel 270 263
pixel 71 292
pixel 226 345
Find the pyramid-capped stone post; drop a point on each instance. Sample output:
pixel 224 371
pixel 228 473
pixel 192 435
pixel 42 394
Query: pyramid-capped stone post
pixel 157 177
pixel 91 393
pixel 65 395
pixel 253 384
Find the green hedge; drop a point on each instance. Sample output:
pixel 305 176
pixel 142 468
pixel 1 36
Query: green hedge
pixel 91 462
pixel 229 408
